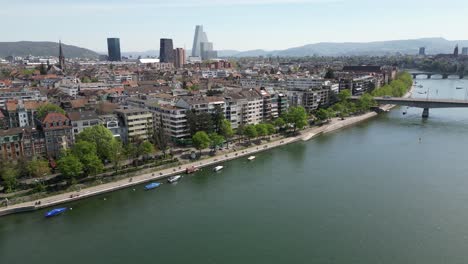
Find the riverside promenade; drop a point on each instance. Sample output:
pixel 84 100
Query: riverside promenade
pixel 307 134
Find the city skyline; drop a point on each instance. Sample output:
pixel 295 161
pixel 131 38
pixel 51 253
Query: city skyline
pixel 267 24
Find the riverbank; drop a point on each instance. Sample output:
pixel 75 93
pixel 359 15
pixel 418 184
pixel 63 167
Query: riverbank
pixel 333 125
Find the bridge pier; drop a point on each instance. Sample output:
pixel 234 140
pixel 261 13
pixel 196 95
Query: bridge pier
pixel 425 113
pixel 444 76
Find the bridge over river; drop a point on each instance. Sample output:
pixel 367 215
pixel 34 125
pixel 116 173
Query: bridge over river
pixel 431 74
pixel 419 102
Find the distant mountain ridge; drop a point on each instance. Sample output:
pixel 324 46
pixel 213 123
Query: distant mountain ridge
pixel 377 48
pixel 43 48
pixel 411 46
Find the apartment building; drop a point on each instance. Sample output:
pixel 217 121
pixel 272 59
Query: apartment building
pixel 244 107
pixel 23 94
pixel 82 120
pixel 20 113
pixel 138 123
pixel 21 143
pixel 303 83
pixel 172 120
pixel 58 133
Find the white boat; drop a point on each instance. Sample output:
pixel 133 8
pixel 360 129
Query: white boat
pixel 174 178
pixel 218 168
pixel 251 158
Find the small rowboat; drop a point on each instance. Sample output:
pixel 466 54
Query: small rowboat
pixel 218 168
pixel 251 158
pixel 174 178
pixel 55 212
pixel 152 185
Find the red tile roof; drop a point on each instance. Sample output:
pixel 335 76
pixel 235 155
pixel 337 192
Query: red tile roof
pixel 12 105
pixel 55 117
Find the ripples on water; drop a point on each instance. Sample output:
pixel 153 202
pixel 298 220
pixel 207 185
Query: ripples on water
pixel 372 193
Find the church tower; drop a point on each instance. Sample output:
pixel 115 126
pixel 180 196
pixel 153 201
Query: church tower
pixel 455 51
pixel 61 57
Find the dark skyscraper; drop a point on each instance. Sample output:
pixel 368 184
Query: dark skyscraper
pixel 166 51
pixel 422 51
pixel 113 49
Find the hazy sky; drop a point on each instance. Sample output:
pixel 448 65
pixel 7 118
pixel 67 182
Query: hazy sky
pixel 230 24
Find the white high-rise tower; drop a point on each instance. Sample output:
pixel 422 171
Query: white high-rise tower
pixel 199 37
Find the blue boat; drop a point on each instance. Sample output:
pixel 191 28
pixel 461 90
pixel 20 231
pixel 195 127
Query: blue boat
pixel 55 212
pixel 152 185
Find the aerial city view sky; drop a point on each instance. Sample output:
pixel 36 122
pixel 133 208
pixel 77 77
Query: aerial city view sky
pixel 232 24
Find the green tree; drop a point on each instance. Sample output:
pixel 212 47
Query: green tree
pixel 271 129
pixel 131 151
pixel 226 130
pixel 366 101
pixel 199 122
pixel 92 165
pixel 146 148
pixel 297 116
pixel 22 166
pixel 43 110
pixel 344 95
pixel 117 153
pixel 240 131
pixel 201 140
pixel 262 130
pixel 217 117
pixel 86 152
pixel 100 137
pixel 279 123
pixel 322 114
pixel 38 167
pixel 69 166
pixel 216 140
pixel 83 148
pixel 160 138
pixel 250 131
pixel 9 176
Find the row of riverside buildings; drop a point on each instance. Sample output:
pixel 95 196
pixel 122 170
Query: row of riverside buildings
pixel 133 107
pixel 239 106
pixel 27 135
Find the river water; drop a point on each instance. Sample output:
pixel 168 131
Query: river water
pixel 372 193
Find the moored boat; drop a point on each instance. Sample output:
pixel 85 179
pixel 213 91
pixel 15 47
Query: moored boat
pixel 218 168
pixel 458 88
pixel 55 212
pixel 251 158
pixel 174 179
pixel 152 185
pixel 192 169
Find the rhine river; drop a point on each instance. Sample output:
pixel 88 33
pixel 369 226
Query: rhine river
pixel 372 193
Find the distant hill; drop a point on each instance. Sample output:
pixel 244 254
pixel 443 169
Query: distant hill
pixel 25 48
pixel 433 46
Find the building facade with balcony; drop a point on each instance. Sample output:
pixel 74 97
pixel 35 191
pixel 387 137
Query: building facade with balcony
pixel 138 123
